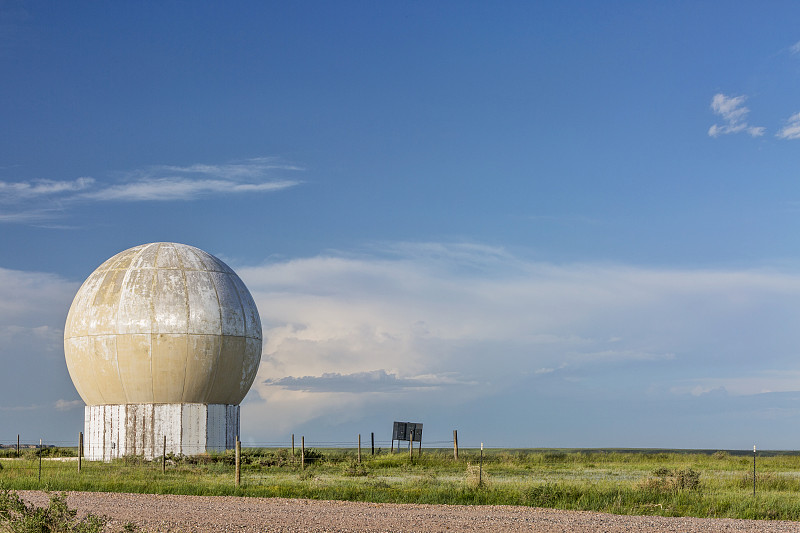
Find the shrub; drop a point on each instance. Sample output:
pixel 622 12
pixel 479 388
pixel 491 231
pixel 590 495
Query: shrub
pixel 354 469
pixel 474 478
pixel 57 517
pixel 201 459
pixel 669 480
pixel 314 455
pixel 551 494
pixel 55 451
pixel 275 458
pixel 555 457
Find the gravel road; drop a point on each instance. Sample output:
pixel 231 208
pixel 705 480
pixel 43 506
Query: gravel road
pixel 224 513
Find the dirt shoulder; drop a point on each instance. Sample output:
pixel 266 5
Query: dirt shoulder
pixel 224 513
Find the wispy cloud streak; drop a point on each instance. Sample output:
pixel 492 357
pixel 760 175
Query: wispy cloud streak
pixel 732 110
pixel 172 189
pixel 36 188
pixel 39 200
pixel 791 130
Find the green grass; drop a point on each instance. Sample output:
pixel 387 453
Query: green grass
pixel 652 482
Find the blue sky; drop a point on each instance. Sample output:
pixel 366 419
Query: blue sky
pixel 569 224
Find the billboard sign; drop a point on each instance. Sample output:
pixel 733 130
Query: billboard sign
pixel 410 431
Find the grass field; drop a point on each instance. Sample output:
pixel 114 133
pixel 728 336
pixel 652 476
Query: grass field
pixel 652 482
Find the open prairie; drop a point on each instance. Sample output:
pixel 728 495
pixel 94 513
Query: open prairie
pixel 628 482
pixel 632 482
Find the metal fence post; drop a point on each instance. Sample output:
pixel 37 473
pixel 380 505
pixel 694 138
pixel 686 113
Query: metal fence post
pixel 480 472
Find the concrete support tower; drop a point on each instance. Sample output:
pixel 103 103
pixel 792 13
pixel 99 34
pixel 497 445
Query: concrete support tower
pixel 162 341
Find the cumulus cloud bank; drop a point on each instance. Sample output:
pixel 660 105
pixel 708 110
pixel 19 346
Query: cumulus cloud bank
pixel 436 330
pixel 33 307
pixel 360 331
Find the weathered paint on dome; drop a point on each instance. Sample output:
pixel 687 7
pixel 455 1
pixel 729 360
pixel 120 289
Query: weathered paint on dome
pixel 163 323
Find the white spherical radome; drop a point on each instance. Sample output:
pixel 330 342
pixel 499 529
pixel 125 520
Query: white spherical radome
pixel 163 323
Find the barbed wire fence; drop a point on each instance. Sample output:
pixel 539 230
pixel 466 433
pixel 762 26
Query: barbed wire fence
pixel 52 460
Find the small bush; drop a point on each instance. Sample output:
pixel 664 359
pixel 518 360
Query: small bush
pixel 476 479
pixel 668 480
pixel 551 495
pixel 720 455
pixel 229 458
pixel 18 517
pixel 201 459
pixel 555 457
pixel 314 455
pixel 275 458
pixel 55 451
pixel 354 469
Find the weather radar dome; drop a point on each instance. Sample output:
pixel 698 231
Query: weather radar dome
pixel 159 335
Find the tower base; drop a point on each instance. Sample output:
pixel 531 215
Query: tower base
pixel 112 431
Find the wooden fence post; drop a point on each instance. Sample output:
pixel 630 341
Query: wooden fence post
pixel 292 448
pixel 17 444
pixel 359 448
pixel 411 448
pixel 455 444
pixel 40 460
pixel 373 443
pixel 238 461
pixel 302 452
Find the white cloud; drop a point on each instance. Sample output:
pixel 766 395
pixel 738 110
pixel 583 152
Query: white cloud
pixel 360 382
pixel 33 308
pixel 14 190
pixel 792 128
pixel 31 216
pixel 758 383
pixel 171 189
pixel 487 319
pixel 40 200
pixel 33 299
pixel 66 405
pixel 433 327
pixel 795 48
pixel 254 168
pixel 732 110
